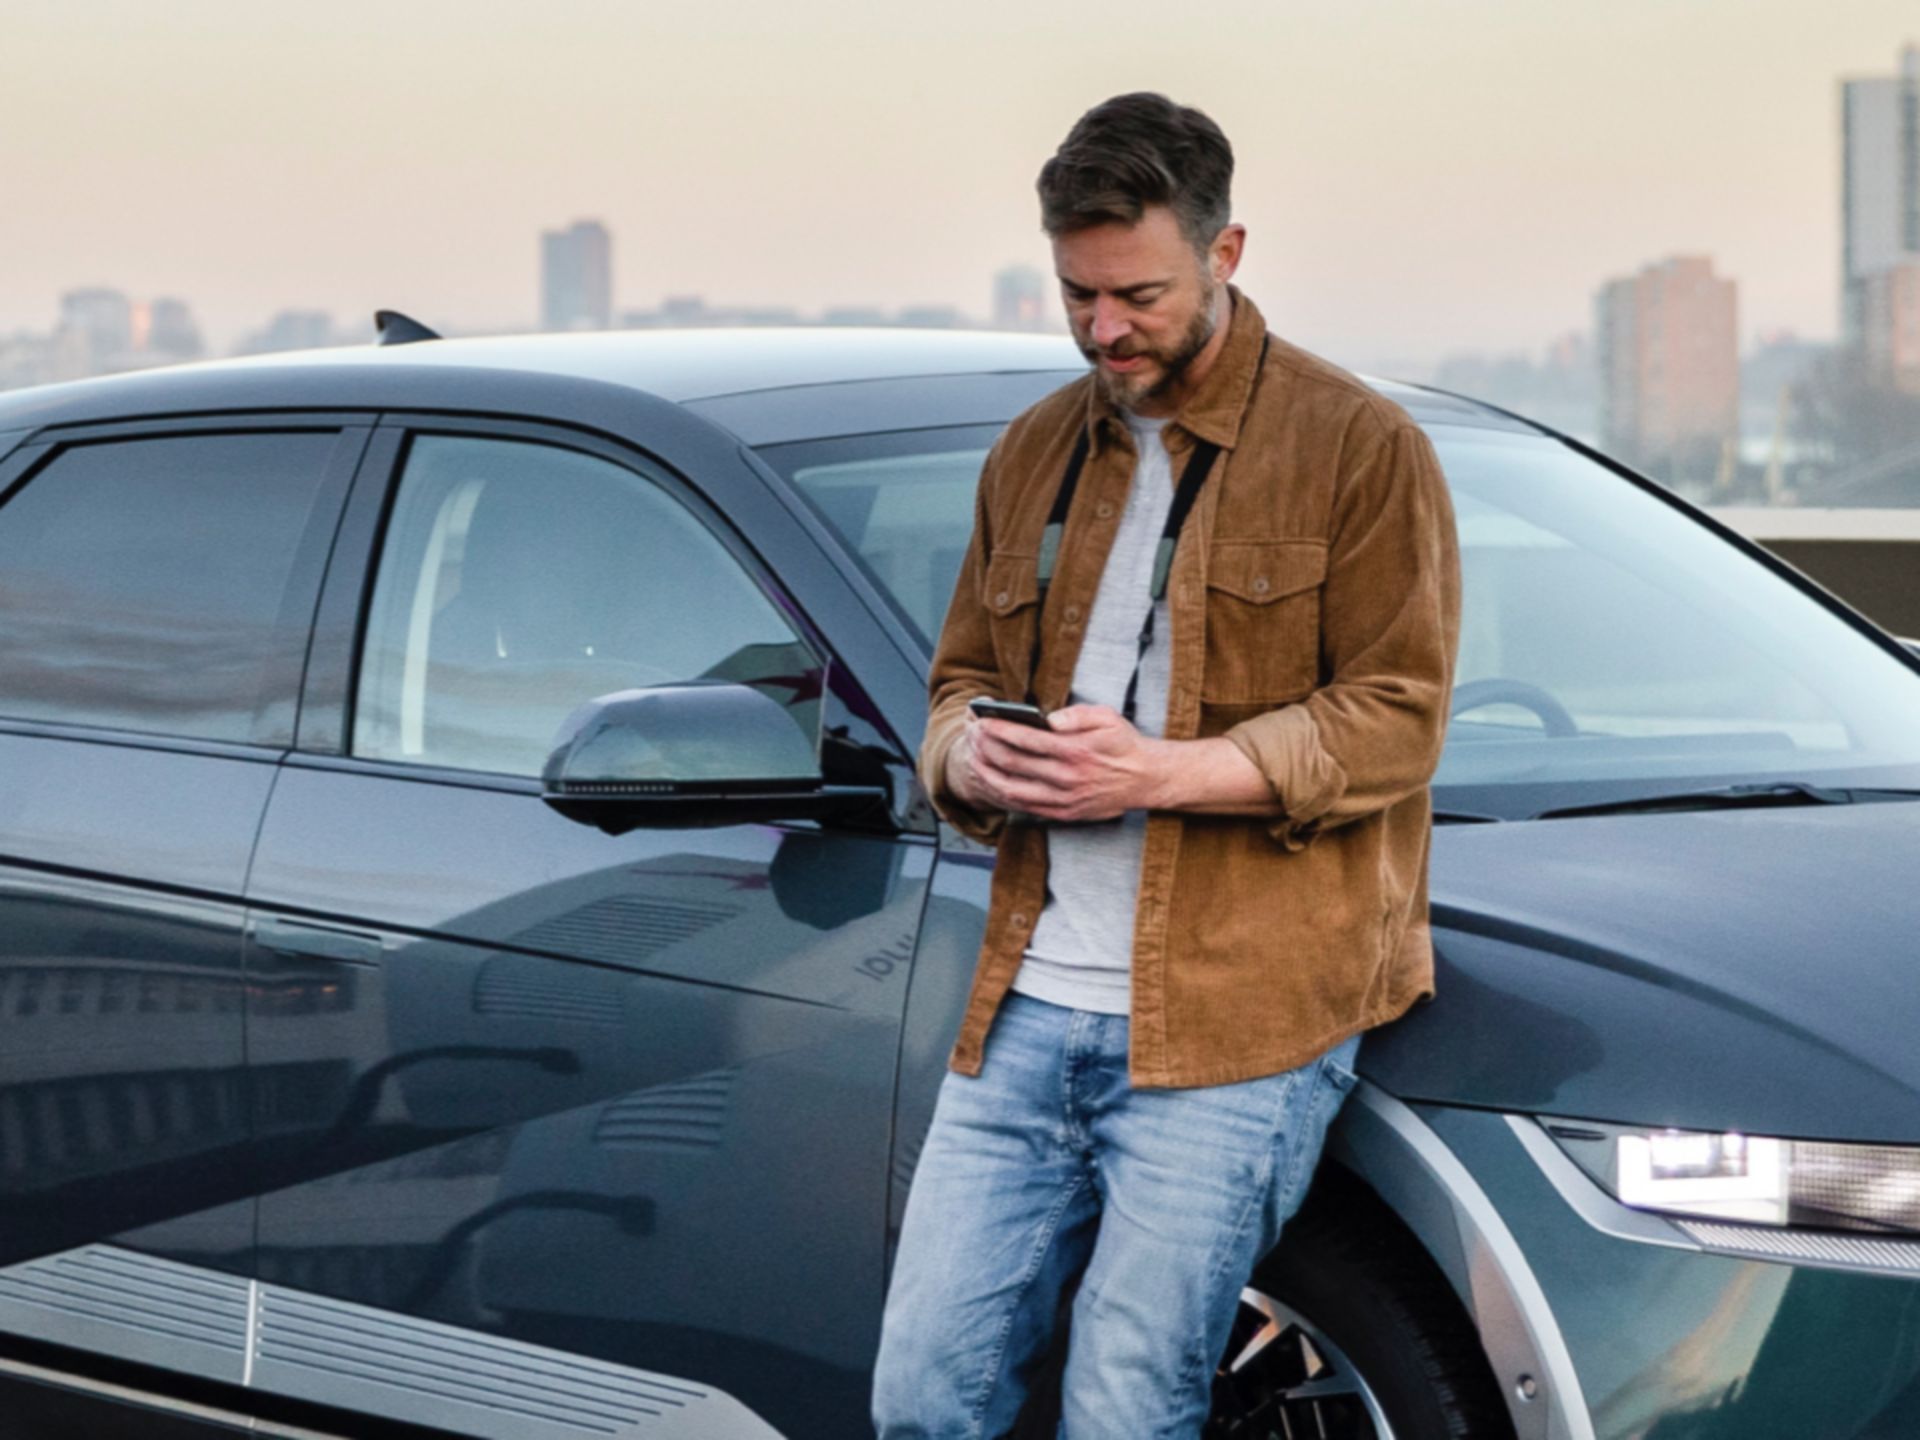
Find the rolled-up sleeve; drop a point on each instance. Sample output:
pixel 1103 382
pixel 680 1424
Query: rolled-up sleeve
pixel 964 665
pixel 1390 631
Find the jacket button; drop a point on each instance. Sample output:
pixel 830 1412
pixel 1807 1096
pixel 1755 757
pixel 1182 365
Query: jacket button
pixel 1260 584
pixel 1073 613
pixel 1104 510
pixel 1000 600
pixel 1019 919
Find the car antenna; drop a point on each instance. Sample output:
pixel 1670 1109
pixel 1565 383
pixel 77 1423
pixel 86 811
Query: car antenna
pixel 398 329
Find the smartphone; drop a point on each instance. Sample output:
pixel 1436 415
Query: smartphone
pixel 1012 710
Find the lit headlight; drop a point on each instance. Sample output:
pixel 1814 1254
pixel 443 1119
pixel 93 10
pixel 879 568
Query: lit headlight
pixel 1750 1178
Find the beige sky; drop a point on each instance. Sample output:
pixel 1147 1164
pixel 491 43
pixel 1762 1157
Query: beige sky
pixel 1418 176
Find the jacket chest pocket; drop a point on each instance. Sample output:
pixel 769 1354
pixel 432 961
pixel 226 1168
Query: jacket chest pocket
pixel 1263 620
pixel 1010 593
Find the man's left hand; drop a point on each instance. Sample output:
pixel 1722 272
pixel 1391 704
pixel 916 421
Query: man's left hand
pixel 1092 765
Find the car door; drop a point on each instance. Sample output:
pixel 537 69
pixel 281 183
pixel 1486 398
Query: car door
pixel 157 586
pixel 605 1115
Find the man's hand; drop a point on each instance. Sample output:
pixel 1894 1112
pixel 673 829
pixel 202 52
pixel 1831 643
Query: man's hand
pixel 1092 765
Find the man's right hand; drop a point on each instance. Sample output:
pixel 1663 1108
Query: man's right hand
pixel 963 779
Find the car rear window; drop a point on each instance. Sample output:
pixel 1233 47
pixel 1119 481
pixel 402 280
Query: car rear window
pixel 144 584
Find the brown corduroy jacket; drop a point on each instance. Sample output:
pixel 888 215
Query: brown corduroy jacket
pixel 1315 615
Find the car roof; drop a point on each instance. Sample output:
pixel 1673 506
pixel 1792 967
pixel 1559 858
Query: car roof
pixel 721 373
pixel 700 364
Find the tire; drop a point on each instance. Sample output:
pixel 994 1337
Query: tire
pixel 1349 1330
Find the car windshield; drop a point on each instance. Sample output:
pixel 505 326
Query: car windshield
pixel 1611 645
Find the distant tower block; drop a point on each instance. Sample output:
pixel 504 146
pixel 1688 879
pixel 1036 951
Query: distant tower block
pixel 1019 299
pixel 1668 351
pixel 576 277
pixel 1879 198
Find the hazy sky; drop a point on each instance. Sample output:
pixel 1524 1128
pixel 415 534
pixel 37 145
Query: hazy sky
pixel 1418 176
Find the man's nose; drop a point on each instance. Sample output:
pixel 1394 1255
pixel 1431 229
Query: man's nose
pixel 1110 322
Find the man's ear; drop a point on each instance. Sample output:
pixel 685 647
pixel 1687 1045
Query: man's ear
pixel 1223 256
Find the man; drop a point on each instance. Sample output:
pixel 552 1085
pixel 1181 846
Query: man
pixel 1228 571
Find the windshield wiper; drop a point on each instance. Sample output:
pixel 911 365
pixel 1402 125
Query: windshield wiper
pixel 1733 797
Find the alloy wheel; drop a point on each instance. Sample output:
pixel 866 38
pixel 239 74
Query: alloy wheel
pixel 1283 1379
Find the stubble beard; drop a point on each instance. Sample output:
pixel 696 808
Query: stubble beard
pixel 1129 392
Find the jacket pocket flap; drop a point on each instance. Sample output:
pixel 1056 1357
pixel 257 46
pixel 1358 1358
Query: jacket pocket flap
pixel 1011 581
pixel 1264 570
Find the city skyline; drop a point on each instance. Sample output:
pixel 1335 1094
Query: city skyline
pixel 1414 186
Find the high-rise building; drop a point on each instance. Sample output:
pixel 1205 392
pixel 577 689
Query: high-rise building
pixel 1890 336
pixel 1668 355
pixel 170 331
pixel 576 277
pixel 1019 299
pixel 1880 188
pixel 98 326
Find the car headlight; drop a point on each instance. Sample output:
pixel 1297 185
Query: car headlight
pixel 1753 1179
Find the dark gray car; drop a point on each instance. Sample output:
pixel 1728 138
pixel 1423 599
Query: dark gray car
pixel 474 955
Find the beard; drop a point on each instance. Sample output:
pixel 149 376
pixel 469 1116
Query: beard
pixel 1130 391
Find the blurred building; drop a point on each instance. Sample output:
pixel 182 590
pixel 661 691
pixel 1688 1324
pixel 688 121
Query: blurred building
pixel 291 330
pixel 170 332
pixel 1879 198
pixel 25 359
pixel 1019 299
pixel 1889 336
pixel 100 331
pixel 576 277
pixel 1775 376
pixel 1556 387
pixel 95 332
pixel 682 311
pixel 930 317
pixel 1667 351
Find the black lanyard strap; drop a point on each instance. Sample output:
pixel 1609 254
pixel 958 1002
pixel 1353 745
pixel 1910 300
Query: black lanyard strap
pixel 1192 479
pixel 1057 517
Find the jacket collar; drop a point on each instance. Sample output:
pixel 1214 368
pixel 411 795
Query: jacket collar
pixel 1214 411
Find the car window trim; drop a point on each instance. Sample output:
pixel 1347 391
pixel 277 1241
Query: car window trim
pixel 80 732
pixel 18 465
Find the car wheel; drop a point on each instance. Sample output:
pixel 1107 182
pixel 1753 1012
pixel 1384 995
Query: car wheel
pixel 1348 1331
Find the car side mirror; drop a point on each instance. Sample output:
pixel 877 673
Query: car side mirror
pixel 698 753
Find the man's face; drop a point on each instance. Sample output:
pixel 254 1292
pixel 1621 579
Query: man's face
pixel 1142 304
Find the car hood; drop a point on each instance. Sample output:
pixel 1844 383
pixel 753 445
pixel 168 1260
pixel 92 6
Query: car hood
pixel 1749 969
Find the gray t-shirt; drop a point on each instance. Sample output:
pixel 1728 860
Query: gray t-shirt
pixel 1081 953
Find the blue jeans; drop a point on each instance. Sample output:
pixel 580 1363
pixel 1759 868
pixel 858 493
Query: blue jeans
pixel 1049 1161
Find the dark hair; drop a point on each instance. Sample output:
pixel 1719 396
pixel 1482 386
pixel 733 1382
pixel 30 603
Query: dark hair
pixel 1134 151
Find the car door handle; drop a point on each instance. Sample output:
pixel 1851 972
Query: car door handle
pixel 294 937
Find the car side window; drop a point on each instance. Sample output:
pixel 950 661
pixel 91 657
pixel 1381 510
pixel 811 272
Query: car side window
pixel 519 579
pixel 145 584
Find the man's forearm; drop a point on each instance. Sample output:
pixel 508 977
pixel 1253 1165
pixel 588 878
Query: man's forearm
pixel 1210 777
